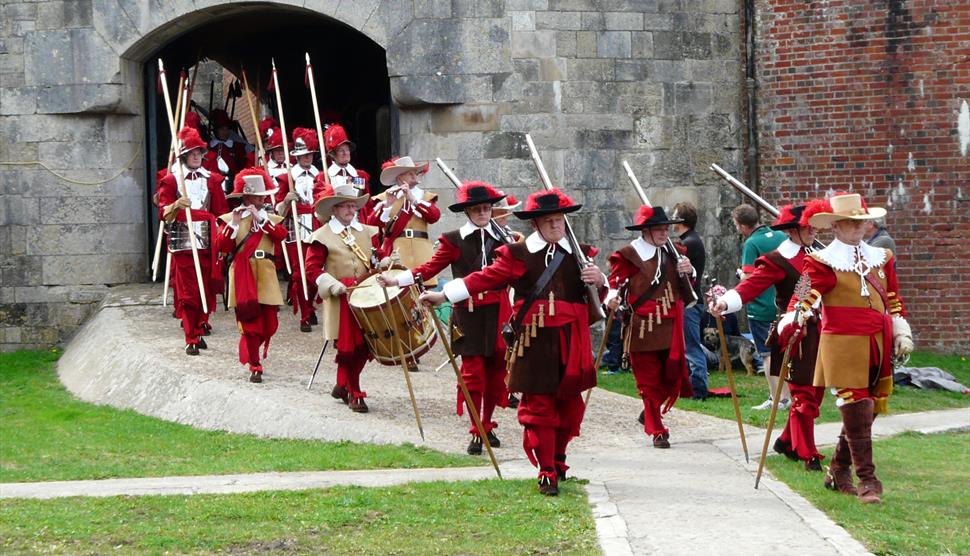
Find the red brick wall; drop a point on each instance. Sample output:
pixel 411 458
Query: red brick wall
pixel 867 95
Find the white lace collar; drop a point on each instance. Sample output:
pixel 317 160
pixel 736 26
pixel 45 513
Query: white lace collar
pixel 789 249
pixel 298 170
pixel 841 256
pixel 646 250
pixel 215 142
pixel 337 228
pixel 534 243
pixel 468 228
pixel 335 169
pixel 201 170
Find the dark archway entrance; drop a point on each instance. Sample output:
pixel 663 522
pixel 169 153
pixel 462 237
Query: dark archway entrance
pixel 350 74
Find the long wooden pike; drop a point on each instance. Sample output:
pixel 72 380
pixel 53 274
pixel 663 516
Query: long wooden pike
pixel 180 180
pixel 291 181
pixel 724 362
pixel 316 118
pixel 171 155
pixel 802 288
pixel 399 341
pixel 472 410
pixel 592 295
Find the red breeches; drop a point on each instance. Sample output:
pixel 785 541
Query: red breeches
pixel 648 370
pixel 188 302
pixel 349 366
pixel 256 333
pixel 485 379
pixel 303 302
pixel 799 432
pixel 550 423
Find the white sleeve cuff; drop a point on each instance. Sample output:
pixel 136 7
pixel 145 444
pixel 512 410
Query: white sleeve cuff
pixel 733 301
pixel 456 291
pixel 610 295
pixel 901 327
pixel 424 203
pixel 405 279
pixel 386 214
pixel 235 229
pixel 786 321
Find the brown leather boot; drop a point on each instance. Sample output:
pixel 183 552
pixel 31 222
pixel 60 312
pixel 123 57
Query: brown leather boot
pixel 340 393
pixel 857 417
pixel 838 476
pixel 358 405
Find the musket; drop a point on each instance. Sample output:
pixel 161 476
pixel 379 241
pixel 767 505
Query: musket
pixel 317 367
pixel 802 288
pixel 503 234
pixel 180 180
pixel 621 294
pixel 592 295
pixel 724 362
pixel 472 410
pixel 685 284
pixel 316 118
pixel 290 179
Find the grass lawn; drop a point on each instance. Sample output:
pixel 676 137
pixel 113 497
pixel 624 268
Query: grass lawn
pixel 49 435
pixel 484 517
pixel 752 390
pixel 927 495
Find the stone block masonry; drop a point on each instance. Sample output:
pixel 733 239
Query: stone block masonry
pixel 872 96
pixel 654 82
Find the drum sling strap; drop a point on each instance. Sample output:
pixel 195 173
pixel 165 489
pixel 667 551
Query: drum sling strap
pixel 510 330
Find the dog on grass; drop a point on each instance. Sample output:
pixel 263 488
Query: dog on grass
pixel 739 348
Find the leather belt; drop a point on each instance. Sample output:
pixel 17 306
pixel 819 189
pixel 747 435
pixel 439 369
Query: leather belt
pixel 409 233
pixel 260 254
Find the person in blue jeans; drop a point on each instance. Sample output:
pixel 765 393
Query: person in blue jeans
pixel 614 348
pixel 696 360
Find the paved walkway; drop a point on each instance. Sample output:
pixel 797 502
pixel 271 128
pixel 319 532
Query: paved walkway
pixel 696 497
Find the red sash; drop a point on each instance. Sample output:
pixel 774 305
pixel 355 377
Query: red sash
pixel 575 348
pixel 244 279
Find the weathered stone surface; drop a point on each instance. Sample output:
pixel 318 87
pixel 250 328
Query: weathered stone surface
pixel 93 269
pixel 533 44
pixel 427 89
pixel 466 117
pixel 68 56
pixel 427 47
pixel 564 21
pixel 614 44
pixel 523 21
pixel 64 14
pixel 18 100
pixel 432 9
pixel 506 145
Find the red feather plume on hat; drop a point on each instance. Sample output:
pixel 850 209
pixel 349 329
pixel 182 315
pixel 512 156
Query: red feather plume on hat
pixel 274 140
pixel 643 214
pixel 785 216
pixel 462 194
pixel 510 199
pixel 192 119
pixel 532 203
pixel 190 139
pixel 812 208
pixel 266 124
pixel 309 137
pixel 334 136
pixel 321 189
pixel 239 182
pixel 389 162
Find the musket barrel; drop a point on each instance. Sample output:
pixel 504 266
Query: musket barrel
pixel 745 190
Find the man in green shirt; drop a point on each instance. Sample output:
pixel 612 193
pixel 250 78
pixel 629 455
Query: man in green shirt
pixel 759 239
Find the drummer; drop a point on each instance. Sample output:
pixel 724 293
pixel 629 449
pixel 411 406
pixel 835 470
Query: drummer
pixel 477 322
pixel 338 256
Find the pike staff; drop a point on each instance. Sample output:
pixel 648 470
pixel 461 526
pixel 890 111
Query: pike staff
pixel 592 296
pixel 289 178
pixel 724 362
pixel 180 180
pixel 171 157
pixel 684 279
pixel 316 118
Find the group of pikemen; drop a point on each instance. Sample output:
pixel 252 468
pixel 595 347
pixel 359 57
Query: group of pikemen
pixel 523 302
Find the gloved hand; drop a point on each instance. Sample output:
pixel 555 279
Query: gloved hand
pixel 325 285
pixel 337 289
pixel 182 203
pixel 290 197
pixel 902 337
pixel 385 263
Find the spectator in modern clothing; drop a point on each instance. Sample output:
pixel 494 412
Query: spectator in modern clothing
pixel 759 239
pixel 696 360
pixel 877 236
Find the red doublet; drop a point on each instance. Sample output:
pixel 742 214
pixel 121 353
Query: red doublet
pixel 484 376
pixel 661 375
pixel 352 352
pixel 188 302
pixel 256 327
pixel 303 303
pixel 234 157
pixel 765 274
pixel 429 213
pixel 550 420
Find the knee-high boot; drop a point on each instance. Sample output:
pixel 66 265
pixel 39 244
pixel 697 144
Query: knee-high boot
pixel 857 417
pixel 839 474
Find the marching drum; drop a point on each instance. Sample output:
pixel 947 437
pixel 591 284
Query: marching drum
pixel 178 236
pixel 377 319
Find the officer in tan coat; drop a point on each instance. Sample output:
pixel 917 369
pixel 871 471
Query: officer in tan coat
pixel 338 257
pixel 250 237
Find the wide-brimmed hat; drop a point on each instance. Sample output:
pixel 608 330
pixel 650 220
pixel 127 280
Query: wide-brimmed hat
pixel 789 217
pixel 266 124
pixel 545 202
pixel 648 216
pixel 396 166
pixel 252 181
pixel 334 195
pixel 219 118
pixel 274 139
pixel 473 193
pixel 334 136
pixel 846 206
pixel 811 209
pixel 304 141
pixel 190 140
pixel 506 205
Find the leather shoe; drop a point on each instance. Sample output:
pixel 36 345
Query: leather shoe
pixel 313 319
pixel 206 329
pixel 340 393
pixel 256 376
pixel 813 464
pixel 191 349
pixel 784 448
pixel 202 344
pixel 475 446
pixel 305 327
pixel 548 486
pixel 413 369
pixel 640 418
pixel 357 405
pixel 661 440
pixel 493 440
pixel 513 401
